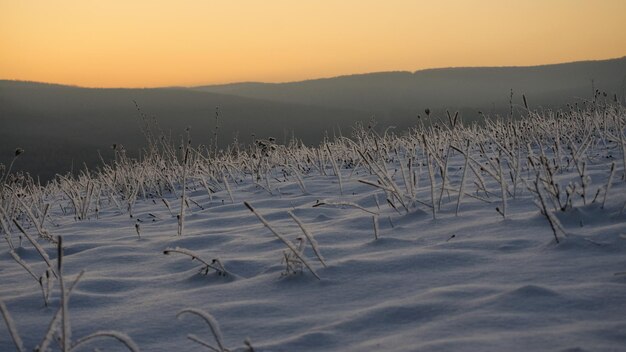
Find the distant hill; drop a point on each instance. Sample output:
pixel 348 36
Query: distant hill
pixel 61 127
pixel 399 94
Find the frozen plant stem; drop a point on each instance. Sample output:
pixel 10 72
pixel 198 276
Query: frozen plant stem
pixel 65 319
pixel 219 268
pixel 444 176
pixel 52 327
pixel 280 237
pixel 18 151
pixel 335 168
pixel 375 221
pixel 309 237
pixel 181 216
pixel 40 250
pixel 608 184
pixel 462 186
pixel 17 341
pixel 502 187
pixel 213 325
pixel 343 204
pixel 545 211
pixel 227 185
pixel 431 177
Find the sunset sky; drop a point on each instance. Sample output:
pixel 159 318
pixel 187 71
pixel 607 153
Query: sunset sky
pixel 147 43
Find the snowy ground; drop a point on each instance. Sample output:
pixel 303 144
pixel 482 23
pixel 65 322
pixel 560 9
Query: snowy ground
pixel 472 282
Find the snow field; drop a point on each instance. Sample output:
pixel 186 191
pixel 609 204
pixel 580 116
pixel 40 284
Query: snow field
pixel 432 281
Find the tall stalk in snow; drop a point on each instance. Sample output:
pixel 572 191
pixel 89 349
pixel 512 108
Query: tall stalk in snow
pixel 181 215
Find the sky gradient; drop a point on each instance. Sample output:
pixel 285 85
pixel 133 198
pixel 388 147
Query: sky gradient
pixel 149 43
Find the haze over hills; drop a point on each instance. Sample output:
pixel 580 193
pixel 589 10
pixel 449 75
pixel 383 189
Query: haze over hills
pixel 398 94
pixel 61 127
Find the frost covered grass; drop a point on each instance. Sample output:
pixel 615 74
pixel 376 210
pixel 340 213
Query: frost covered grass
pixel 505 235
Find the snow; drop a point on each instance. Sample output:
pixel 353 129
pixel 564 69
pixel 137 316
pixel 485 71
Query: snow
pixel 472 282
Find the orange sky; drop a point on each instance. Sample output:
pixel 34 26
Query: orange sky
pixel 146 43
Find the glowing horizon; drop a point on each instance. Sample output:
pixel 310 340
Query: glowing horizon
pixel 154 43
